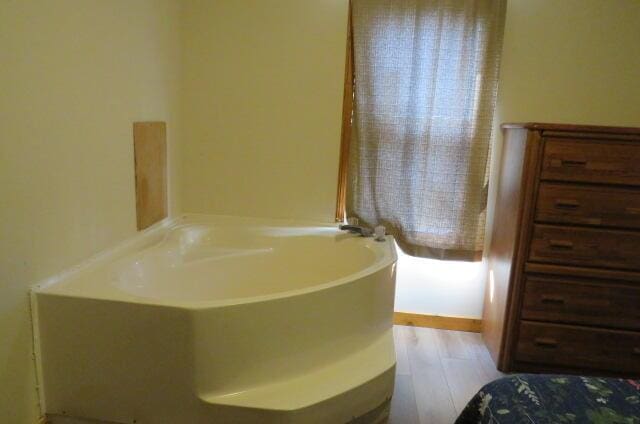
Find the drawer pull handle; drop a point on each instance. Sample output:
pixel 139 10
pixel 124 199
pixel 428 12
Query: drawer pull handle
pixel 545 342
pixel 573 162
pixel 636 350
pixel 567 204
pixel 633 211
pixel 554 300
pixel 561 244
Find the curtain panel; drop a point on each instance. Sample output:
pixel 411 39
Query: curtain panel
pixel 426 75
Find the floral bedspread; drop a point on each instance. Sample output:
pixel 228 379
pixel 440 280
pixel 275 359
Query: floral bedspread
pixel 547 399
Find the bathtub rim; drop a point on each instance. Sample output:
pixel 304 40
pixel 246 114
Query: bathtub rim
pixel 54 285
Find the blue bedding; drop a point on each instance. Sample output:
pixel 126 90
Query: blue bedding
pixel 547 399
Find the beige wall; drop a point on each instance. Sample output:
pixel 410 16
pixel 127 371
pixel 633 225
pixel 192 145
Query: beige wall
pixel 74 75
pixel 262 100
pixel 263 83
pixel 569 61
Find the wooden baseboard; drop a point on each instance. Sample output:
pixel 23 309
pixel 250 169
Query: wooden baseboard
pixel 436 321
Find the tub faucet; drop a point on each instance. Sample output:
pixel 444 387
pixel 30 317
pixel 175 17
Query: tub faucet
pixel 357 229
pixel 379 232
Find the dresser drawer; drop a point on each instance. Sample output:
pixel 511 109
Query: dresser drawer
pixel 588 205
pixel 578 347
pixel 594 161
pixel 585 247
pixel 585 303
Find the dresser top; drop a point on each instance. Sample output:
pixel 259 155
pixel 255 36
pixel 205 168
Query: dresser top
pixel 572 128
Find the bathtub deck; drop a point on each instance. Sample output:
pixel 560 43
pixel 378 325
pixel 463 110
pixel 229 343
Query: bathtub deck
pixel 437 372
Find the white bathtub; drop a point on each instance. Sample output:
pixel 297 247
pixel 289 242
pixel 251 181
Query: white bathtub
pixel 221 320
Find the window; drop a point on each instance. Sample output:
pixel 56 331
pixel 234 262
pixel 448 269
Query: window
pixel 420 90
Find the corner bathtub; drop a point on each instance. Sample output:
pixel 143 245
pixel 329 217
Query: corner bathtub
pixel 221 320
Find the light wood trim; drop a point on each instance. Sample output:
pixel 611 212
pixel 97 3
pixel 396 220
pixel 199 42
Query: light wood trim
pixel 150 161
pixel 347 113
pixel 437 321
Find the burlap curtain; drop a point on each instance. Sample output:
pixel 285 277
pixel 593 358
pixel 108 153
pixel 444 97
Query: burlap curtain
pixel 426 75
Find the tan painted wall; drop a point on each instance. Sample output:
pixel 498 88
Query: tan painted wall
pixel 569 61
pixel 74 75
pixel 263 97
pixel 262 94
pixel 573 61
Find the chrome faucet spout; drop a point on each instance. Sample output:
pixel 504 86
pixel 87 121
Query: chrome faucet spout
pixel 357 229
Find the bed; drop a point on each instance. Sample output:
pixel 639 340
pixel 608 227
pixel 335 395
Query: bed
pixel 546 399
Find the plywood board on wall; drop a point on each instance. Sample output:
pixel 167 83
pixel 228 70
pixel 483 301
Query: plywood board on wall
pixel 150 153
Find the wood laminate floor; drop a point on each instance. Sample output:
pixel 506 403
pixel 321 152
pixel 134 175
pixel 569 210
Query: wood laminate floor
pixel 437 372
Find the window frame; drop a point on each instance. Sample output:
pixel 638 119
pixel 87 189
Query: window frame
pixel 347 123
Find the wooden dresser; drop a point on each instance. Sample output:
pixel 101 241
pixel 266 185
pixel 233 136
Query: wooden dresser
pixel 564 282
